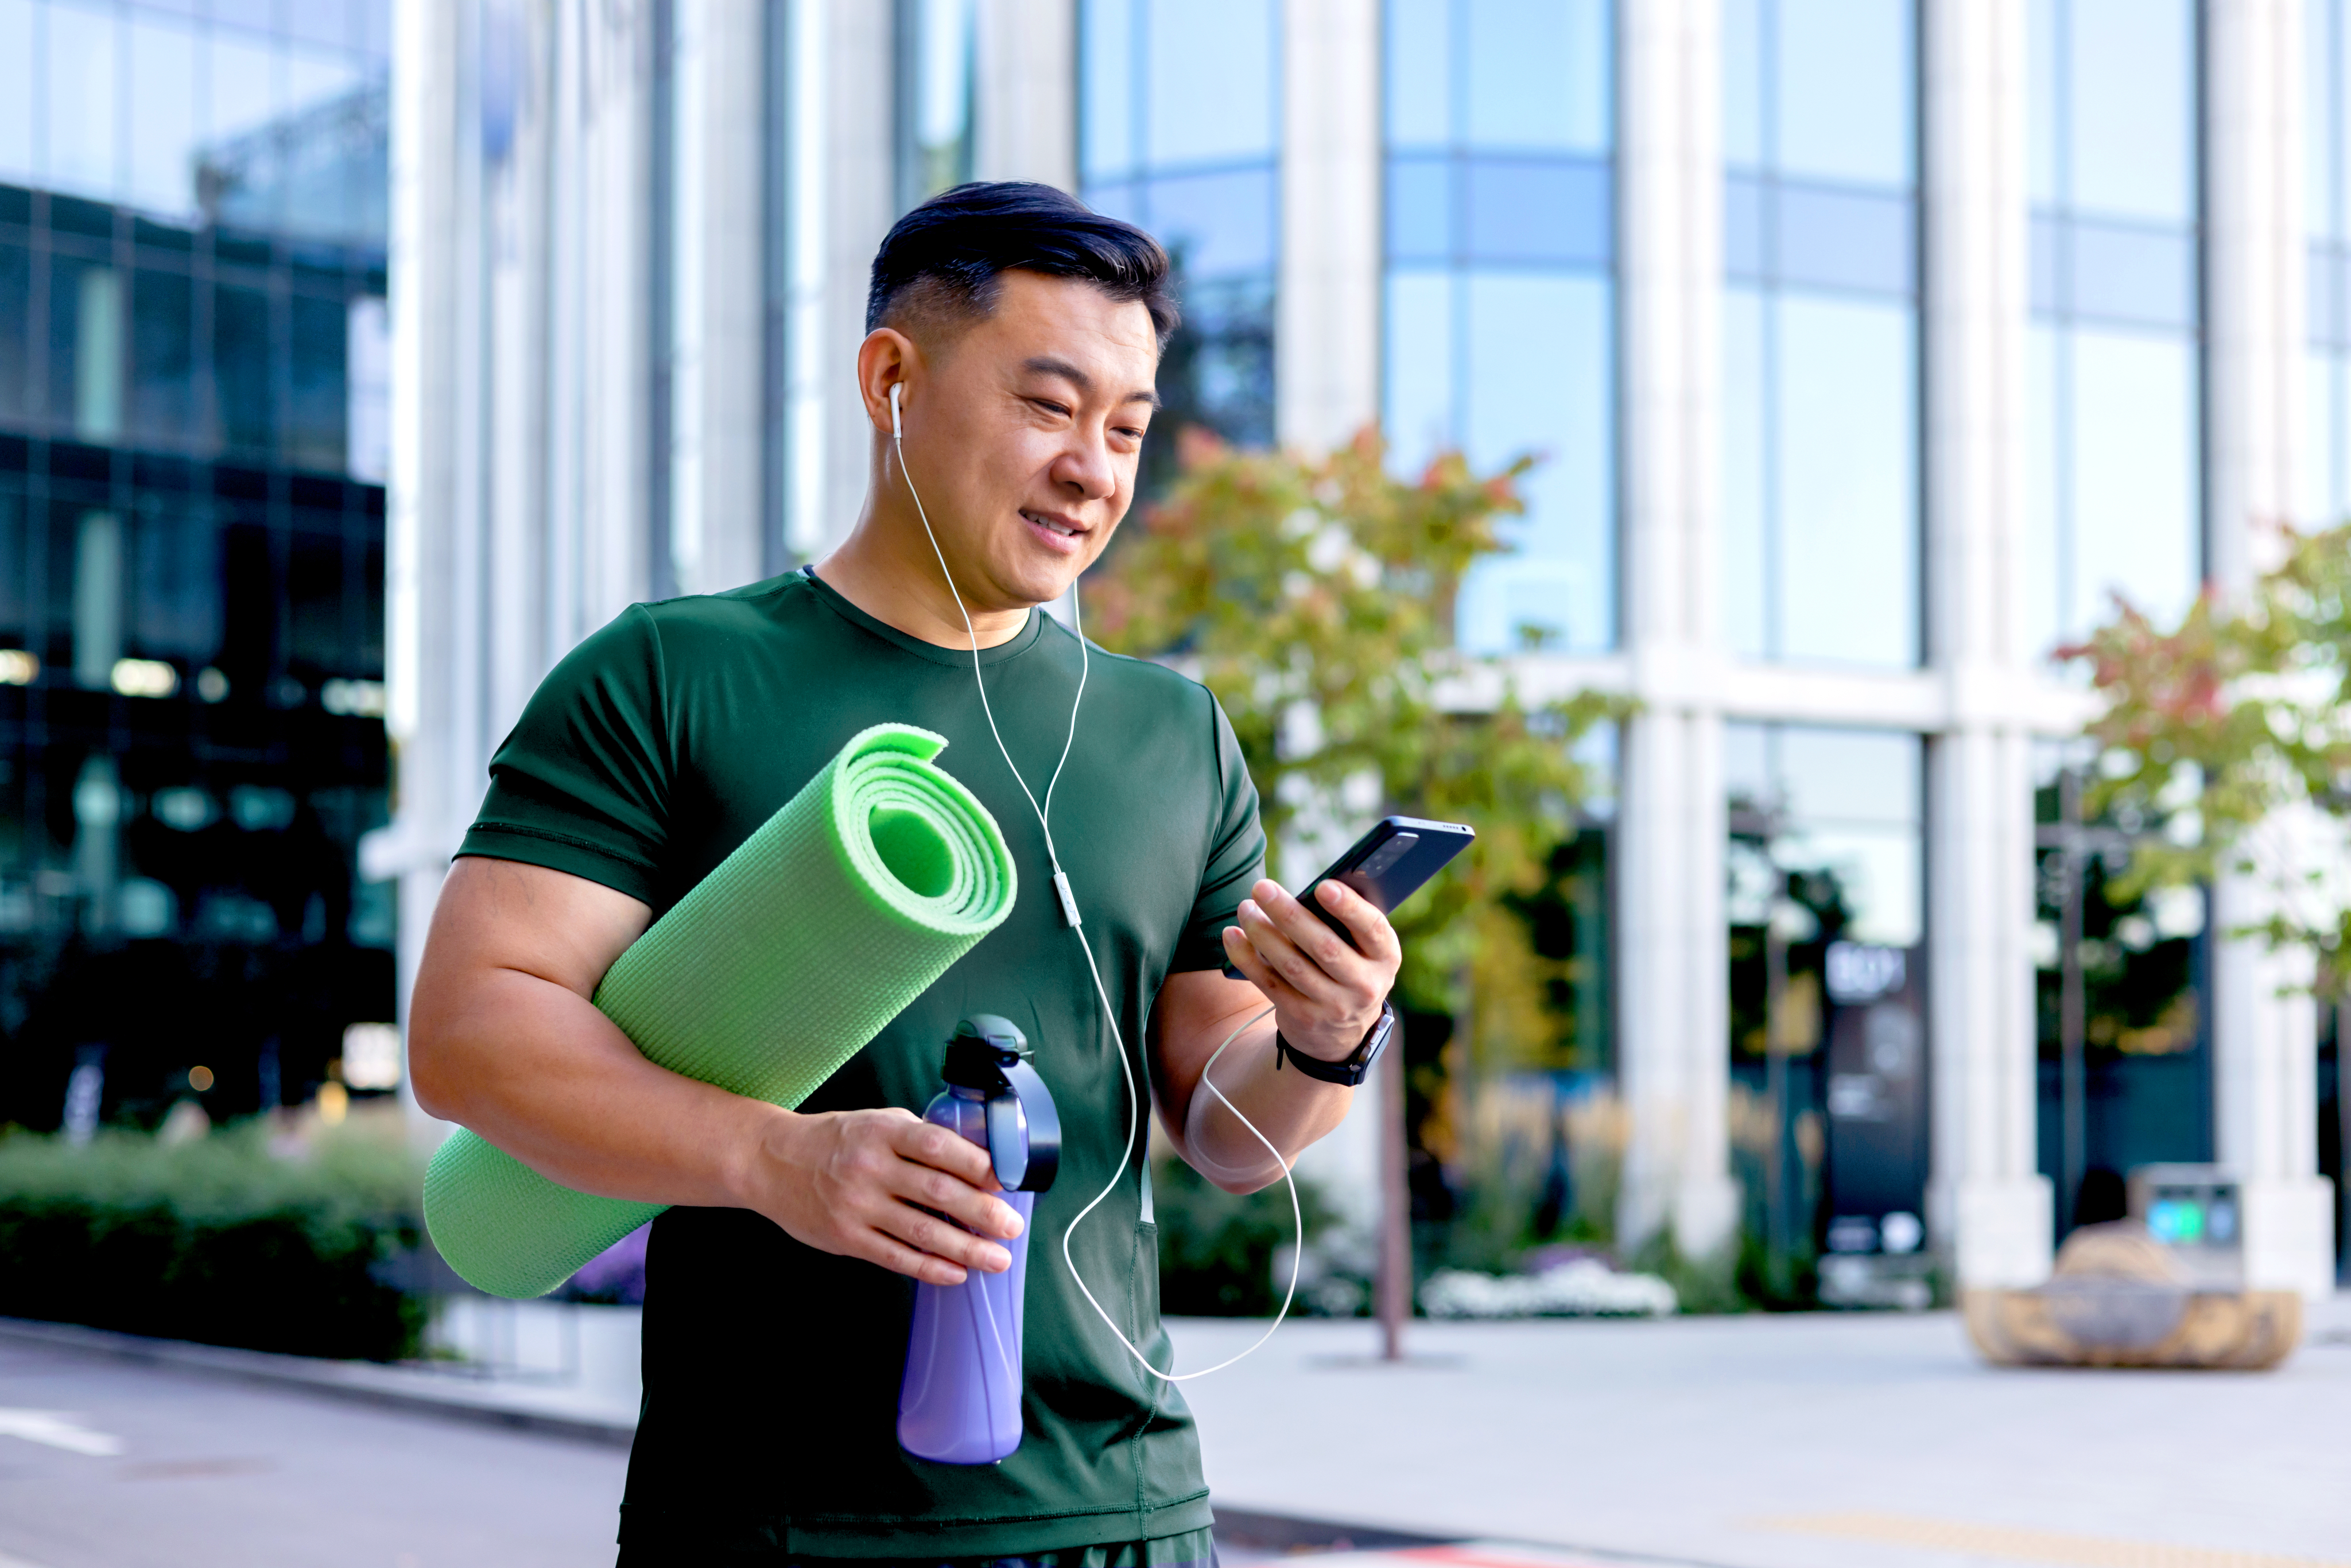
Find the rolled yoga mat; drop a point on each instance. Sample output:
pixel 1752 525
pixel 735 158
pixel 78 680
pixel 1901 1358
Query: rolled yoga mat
pixel 776 969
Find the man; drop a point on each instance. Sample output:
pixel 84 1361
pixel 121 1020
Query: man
pixel 1021 333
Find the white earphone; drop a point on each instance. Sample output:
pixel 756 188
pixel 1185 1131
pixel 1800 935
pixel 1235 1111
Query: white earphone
pixel 1070 916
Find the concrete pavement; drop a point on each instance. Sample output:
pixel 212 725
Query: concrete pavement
pixel 1818 1441
pixel 539 1366
pixel 153 1467
pixel 1813 1441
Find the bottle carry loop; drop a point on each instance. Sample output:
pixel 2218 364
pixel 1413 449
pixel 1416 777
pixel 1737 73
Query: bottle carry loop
pixel 1024 1130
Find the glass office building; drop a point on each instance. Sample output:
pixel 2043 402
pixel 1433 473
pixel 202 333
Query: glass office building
pixel 193 428
pixel 1867 349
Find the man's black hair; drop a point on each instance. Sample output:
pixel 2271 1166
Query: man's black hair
pixel 944 259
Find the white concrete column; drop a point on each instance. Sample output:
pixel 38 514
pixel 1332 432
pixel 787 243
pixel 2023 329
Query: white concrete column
pixel 1025 118
pixel 422 203
pixel 1989 1210
pixel 1988 1207
pixel 2253 261
pixel 1674 1033
pixel 859 208
pixel 515 388
pixel 798 118
pixel 1673 952
pixel 717 304
pixel 611 207
pixel 2265 1053
pixel 1327 302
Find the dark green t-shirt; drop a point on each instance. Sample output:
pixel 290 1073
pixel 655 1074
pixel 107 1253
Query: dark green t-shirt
pixel 771 1370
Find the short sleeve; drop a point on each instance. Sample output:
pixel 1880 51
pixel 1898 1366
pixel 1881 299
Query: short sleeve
pixel 1235 854
pixel 582 784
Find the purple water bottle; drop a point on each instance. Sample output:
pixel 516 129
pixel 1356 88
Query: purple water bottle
pixel 960 1404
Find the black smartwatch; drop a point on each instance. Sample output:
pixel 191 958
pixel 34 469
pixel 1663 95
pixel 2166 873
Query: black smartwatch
pixel 1351 1070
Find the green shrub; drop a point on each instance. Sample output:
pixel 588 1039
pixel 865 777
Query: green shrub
pixel 216 1239
pixel 1217 1250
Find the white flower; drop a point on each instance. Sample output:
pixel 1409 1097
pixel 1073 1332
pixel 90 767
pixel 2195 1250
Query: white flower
pixel 1584 1288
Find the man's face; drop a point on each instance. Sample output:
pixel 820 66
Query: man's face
pixel 1022 434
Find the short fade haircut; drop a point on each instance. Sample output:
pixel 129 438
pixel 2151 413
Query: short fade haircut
pixel 941 266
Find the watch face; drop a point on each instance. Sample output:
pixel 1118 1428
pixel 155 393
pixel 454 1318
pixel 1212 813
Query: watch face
pixel 1369 1051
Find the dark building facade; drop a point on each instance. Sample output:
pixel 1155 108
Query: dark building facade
pixel 193 436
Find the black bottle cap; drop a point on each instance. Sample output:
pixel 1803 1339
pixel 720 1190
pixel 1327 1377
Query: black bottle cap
pixel 982 1046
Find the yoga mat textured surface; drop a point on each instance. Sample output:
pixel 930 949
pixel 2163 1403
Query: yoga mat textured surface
pixel 776 969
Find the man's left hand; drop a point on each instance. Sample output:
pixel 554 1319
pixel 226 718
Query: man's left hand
pixel 1326 995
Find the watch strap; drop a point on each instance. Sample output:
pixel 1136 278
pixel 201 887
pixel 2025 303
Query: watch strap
pixel 1350 1070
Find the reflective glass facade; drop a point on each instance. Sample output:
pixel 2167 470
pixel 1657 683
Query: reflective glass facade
pixel 2125 1042
pixel 1500 291
pixel 192 433
pixel 2326 458
pixel 1512 1134
pixel 1179 117
pixel 2114 421
pixel 1820 327
pixel 1826 905
pixel 937 52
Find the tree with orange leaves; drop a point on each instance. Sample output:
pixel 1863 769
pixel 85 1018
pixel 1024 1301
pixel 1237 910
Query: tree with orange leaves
pixel 2221 735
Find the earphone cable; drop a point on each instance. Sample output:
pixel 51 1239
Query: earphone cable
pixel 1110 1012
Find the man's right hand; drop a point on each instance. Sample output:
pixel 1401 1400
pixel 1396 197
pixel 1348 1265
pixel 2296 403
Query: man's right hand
pixel 875 1183
pixel 503 1038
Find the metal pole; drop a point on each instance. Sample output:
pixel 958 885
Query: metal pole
pixel 2073 1002
pixel 1393 1295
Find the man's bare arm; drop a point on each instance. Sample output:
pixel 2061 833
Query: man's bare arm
pixel 503 1038
pixel 1326 995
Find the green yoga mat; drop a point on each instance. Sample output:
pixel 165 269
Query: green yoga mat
pixel 777 967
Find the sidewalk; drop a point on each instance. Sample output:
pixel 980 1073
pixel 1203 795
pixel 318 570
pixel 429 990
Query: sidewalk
pixel 538 1366
pixel 1813 1441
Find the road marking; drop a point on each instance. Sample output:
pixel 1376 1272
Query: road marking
pixel 185 1470
pixel 2033 1545
pixel 8 1562
pixel 1484 1554
pixel 1463 1554
pixel 58 1430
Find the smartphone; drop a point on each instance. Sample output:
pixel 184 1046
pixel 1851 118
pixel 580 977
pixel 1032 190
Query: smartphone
pixel 1386 866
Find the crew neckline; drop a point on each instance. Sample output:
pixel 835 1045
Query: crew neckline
pixel 840 604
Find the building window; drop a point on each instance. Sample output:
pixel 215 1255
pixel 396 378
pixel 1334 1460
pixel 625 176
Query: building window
pixel 1179 131
pixel 1512 1119
pixel 1500 292
pixel 937 61
pixel 199 276
pixel 2326 224
pixel 2125 1074
pixel 1828 1049
pixel 2114 415
pixel 1820 326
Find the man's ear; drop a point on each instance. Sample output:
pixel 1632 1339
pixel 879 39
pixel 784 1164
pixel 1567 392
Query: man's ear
pixel 886 359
